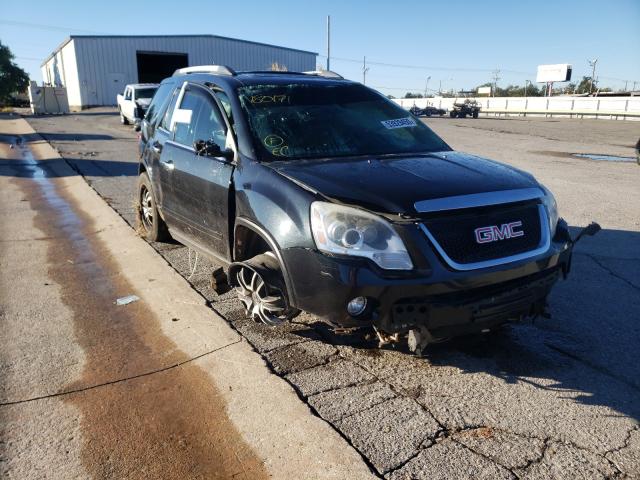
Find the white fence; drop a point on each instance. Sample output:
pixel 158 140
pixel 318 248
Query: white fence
pixel 615 108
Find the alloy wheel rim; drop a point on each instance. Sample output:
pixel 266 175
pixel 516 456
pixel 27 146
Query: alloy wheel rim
pixel 147 207
pixel 261 301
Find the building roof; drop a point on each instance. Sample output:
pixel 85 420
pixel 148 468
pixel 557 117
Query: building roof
pixel 73 37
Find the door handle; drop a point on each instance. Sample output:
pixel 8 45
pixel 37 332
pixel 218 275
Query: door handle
pixel 168 164
pixel 156 147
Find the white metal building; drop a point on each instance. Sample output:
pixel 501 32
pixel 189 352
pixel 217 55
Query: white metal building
pixel 95 68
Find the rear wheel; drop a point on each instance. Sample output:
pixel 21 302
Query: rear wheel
pixel 151 226
pixel 260 287
pixel 475 114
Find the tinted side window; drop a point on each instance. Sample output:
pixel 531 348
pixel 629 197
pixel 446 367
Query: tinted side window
pixel 127 94
pixel 210 124
pixel 185 131
pixel 159 100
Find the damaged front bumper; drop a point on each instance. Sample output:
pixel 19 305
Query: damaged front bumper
pixel 432 296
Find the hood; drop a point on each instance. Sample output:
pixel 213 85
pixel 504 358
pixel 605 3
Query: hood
pixel 393 185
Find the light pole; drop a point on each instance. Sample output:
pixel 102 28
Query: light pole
pixel 365 69
pixel 592 64
pixel 426 87
pixel 328 42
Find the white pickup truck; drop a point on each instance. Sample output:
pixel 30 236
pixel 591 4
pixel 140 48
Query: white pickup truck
pixel 134 101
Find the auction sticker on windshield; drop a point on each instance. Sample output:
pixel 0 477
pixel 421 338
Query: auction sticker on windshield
pixel 399 123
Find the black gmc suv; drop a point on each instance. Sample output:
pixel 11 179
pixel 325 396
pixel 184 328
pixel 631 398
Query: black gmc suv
pixel 319 194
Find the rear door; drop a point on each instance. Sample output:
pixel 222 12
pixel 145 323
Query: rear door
pixel 200 185
pixel 159 161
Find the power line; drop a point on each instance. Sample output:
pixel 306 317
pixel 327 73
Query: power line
pixel 42 26
pixel 426 67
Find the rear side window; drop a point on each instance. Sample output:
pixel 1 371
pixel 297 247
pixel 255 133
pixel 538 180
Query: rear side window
pixel 159 100
pixel 166 120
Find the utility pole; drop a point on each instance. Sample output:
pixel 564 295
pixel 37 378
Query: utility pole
pixel 328 42
pixel 496 77
pixel 440 88
pixel 426 87
pixel 592 63
pixel 526 82
pixel 626 84
pixel 634 86
pixel 365 69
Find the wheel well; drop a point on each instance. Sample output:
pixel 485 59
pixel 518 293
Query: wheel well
pixel 141 168
pixel 248 243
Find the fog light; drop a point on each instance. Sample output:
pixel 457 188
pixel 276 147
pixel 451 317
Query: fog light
pixel 357 306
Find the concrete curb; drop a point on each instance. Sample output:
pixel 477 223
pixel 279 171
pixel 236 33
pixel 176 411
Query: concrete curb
pixel 284 433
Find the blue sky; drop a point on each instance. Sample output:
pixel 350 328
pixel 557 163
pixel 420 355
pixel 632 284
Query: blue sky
pixel 455 42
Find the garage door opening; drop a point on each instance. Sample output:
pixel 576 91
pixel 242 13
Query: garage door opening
pixel 153 67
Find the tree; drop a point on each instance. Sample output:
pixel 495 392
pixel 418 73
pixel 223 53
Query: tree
pixel 413 95
pixel 584 86
pixel 12 78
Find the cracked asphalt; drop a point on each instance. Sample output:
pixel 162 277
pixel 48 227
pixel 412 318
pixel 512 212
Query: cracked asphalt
pixel 554 398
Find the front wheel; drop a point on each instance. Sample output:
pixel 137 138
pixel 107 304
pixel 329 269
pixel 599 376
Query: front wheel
pixel 260 287
pixel 150 225
pixel 452 114
pixel 123 119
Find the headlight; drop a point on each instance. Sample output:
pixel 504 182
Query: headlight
pixel 350 231
pixel 550 204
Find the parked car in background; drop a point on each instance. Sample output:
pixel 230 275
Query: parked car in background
pixel 320 194
pixel 134 101
pixel 427 111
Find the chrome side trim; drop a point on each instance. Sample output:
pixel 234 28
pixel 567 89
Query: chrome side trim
pixel 543 246
pixel 477 200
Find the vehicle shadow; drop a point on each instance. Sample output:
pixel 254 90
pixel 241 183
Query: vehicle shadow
pixel 88 113
pixel 588 349
pixel 83 167
pixel 65 137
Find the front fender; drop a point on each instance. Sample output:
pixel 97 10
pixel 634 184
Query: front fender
pixel 275 203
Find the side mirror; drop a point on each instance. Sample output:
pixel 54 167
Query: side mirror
pixel 208 148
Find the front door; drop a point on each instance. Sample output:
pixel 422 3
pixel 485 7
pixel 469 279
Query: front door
pixel 200 184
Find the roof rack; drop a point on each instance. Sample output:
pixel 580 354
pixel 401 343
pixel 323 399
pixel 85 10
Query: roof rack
pixel 324 73
pixel 215 69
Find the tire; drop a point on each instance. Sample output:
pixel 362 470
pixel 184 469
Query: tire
pixel 475 114
pixel 260 286
pixel 428 114
pixel 452 114
pixel 123 119
pixel 150 224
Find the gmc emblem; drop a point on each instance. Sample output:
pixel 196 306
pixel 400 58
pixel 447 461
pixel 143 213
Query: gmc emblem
pixel 494 233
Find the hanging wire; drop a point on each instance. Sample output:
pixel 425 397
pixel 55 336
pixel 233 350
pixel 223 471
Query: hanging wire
pixel 195 264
